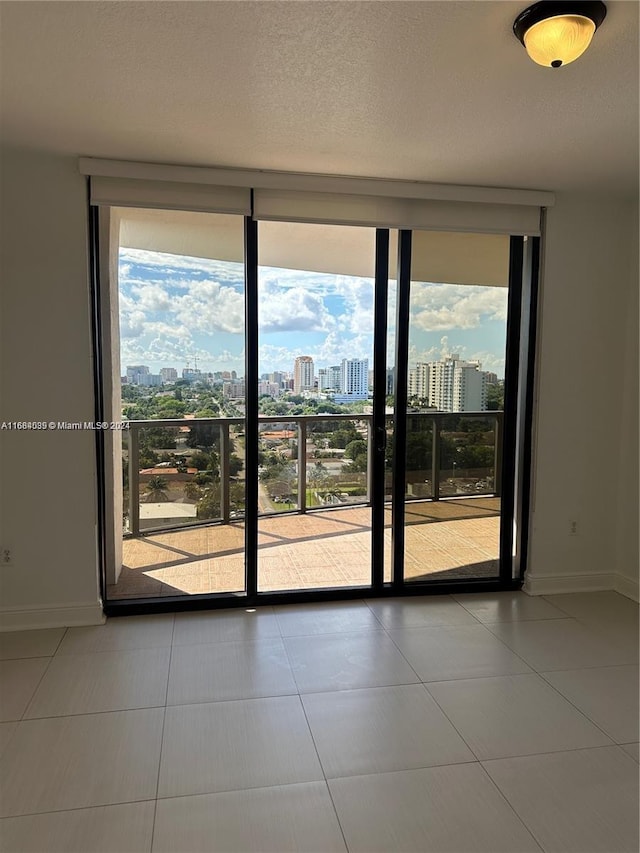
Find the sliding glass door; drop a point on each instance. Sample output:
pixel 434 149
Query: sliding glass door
pixel 455 307
pixel 316 287
pixel 313 410
pixel 179 289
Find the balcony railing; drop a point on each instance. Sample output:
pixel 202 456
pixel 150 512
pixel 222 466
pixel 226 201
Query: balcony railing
pixel 422 482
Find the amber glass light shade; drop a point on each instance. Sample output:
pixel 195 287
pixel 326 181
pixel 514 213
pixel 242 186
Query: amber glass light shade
pixel 560 40
pixel 556 32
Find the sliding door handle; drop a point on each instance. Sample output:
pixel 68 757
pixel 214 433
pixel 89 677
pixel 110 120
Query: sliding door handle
pixel 381 440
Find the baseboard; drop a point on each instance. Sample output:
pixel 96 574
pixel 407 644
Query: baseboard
pixel 56 616
pixel 627 586
pixel 552 584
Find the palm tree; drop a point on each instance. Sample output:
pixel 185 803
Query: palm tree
pixel 192 491
pixel 157 488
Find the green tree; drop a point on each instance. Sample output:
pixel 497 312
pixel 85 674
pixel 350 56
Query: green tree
pixel 235 465
pixel 476 456
pixel 343 436
pixel 199 460
pixel 209 505
pixel 157 488
pixel 169 407
pixel 495 396
pixel 318 476
pixel 203 435
pixel 192 491
pixel 163 438
pixel 147 458
pixel 356 450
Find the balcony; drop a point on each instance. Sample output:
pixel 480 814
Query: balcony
pixel 184 530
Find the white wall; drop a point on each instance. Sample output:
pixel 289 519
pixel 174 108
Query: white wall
pixel 586 431
pixel 586 436
pixel 47 491
pixel 627 514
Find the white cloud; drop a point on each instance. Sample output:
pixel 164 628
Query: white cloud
pixel 332 350
pixel 436 307
pixel 357 294
pixel 293 309
pixel 489 361
pixel 210 307
pixel 165 264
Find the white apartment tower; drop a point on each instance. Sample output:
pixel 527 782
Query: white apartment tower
pixel 354 380
pixel 168 374
pixel 135 372
pixel 419 385
pixel 457 386
pixel 303 374
pixel 469 388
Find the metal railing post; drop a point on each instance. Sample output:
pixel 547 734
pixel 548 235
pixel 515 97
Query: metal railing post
pixel 134 481
pixel 497 459
pixel 369 459
pixel 225 452
pixel 302 466
pixel 435 460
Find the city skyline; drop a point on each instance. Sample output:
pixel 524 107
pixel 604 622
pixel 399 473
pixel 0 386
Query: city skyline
pixel 174 309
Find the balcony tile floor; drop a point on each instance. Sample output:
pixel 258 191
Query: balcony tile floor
pixel 323 549
pixel 321 728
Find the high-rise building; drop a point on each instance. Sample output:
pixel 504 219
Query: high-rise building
pixel 469 388
pixel 457 386
pixel 150 380
pixel 191 374
pixel 354 379
pixel 135 372
pixel 334 377
pixel 271 389
pixel 303 374
pixel 391 381
pixel 168 374
pixel 233 389
pixel 418 385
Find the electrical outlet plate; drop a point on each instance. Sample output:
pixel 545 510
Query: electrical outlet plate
pixel 573 528
pixel 6 557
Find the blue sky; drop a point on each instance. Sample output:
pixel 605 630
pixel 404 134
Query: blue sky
pixel 174 309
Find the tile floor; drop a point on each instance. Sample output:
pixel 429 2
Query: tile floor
pixel 490 722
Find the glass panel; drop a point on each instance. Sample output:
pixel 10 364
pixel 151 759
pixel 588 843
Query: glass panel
pixel 315 330
pixel 390 387
pixel 457 343
pixel 181 325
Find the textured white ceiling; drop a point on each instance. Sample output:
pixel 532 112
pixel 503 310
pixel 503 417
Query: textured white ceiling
pixel 433 91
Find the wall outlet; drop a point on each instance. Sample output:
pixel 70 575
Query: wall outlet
pixel 6 557
pixel 573 527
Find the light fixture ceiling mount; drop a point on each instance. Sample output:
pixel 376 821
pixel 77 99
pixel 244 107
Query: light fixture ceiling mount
pixel 556 32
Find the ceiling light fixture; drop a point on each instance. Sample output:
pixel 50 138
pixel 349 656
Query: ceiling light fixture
pixel 556 32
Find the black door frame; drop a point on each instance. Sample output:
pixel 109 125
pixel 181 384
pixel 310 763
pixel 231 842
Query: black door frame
pixel 377 588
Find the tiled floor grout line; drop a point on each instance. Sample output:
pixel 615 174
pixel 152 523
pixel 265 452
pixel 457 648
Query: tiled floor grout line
pixel 315 746
pixel 164 718
pixel 541 673
pixel 452 724
pixel 34 691
pixel 78 809
pixel 573 705
pixel 504 797
pixel 480 762
pixel 40 680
